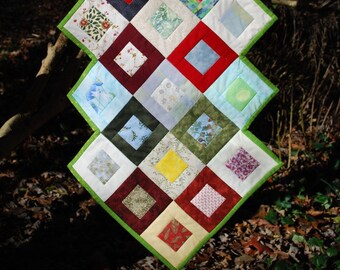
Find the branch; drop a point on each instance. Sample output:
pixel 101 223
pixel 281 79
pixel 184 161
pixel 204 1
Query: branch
pixel 50 82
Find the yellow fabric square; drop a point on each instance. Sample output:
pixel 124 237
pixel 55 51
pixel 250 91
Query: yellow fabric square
pixel 171 166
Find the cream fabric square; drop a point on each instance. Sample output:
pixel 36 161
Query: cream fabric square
pixel 218 163
pixel 114 24
pixel 216 20
pixel 172 188
pixel 84 168
pixel 176 258
pixel 165 43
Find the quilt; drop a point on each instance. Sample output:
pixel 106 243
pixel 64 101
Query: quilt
pixel 170 95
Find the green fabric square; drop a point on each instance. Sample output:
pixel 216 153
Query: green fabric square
pixel 205 152
pixel 239 94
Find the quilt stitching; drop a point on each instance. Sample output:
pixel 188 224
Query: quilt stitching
pixel 170 95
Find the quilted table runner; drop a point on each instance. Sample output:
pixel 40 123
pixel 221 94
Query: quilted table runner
pixel 170 95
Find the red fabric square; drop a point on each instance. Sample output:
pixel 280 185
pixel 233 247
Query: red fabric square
pixel 207 176
pixel 154 58
pixel 202 32
pixel 175 235
pixel 138 178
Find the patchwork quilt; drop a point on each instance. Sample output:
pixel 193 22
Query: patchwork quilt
pixel 170 95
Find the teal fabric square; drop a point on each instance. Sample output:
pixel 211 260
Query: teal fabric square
pixel 236 19
pixel 202 57
pixel 165 21
pixel 204 130
pixel 135 132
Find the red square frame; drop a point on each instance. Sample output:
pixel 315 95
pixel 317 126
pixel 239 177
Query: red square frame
pixel 202 32
pixel 154 58
pixel 115 202
pixel 207 176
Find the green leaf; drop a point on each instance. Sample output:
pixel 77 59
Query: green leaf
pixel 332 252
pixel 298 238
pixel 271 216
pixel 315 242
pixel 285 204
pixel 324 200
pixel 287 220
pixel 320 261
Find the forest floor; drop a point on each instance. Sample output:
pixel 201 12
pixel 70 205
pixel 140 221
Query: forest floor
pixel 48 221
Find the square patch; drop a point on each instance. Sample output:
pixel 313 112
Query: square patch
pixel 208 200
pixel 138 201
pixel 94 25
pixel 175 257
pixel 102 167
pixel 168 95
pixel 189 56
pixel 204 130
pixel 128 8
pixel 239 23
pixel 171 166
pixel 135 131
pixel 250 151
pixel 98 96
pixel 242 164
pixel 175 235
pixel 202 57
pixel 165 23
pixel 171 150
pixel 200 7
pixel 131 59
pixel 241 92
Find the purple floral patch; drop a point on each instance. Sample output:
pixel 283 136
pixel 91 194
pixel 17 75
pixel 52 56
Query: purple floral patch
pixel 242 164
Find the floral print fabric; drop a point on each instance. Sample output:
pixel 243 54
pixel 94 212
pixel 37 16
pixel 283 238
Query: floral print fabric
pixel 99 97
pixel 200 7
pixel 130 59
pixel 242 164
pixel 139 201
pixel 103 167
pixel 165 21
pixel 208 200
pixel 204 130
pixel 167 94
pixel 175 235
pixel 135 132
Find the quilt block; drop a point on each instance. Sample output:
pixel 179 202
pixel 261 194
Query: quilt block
pixel 170 95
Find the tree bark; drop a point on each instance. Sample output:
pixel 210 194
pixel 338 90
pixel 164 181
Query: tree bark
pixel 47 96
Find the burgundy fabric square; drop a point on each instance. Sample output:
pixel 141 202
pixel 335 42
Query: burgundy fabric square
pixel 138 178
pixel 132 36
pixel 189 198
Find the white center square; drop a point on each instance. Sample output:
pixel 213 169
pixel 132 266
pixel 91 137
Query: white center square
pixel 208 200
pixel 130 59
pixel 167 94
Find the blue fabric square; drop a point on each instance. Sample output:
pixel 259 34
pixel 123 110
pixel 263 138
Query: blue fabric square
pixel 135 132
pixel 128 10
pixel 202 57
pixel 236 19
pixel 204 130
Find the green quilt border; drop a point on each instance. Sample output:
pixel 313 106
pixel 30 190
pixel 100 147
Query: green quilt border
pixel 61 27
pixel 247 133
pixel 264 29
pixel 275 90
pixel 75 103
